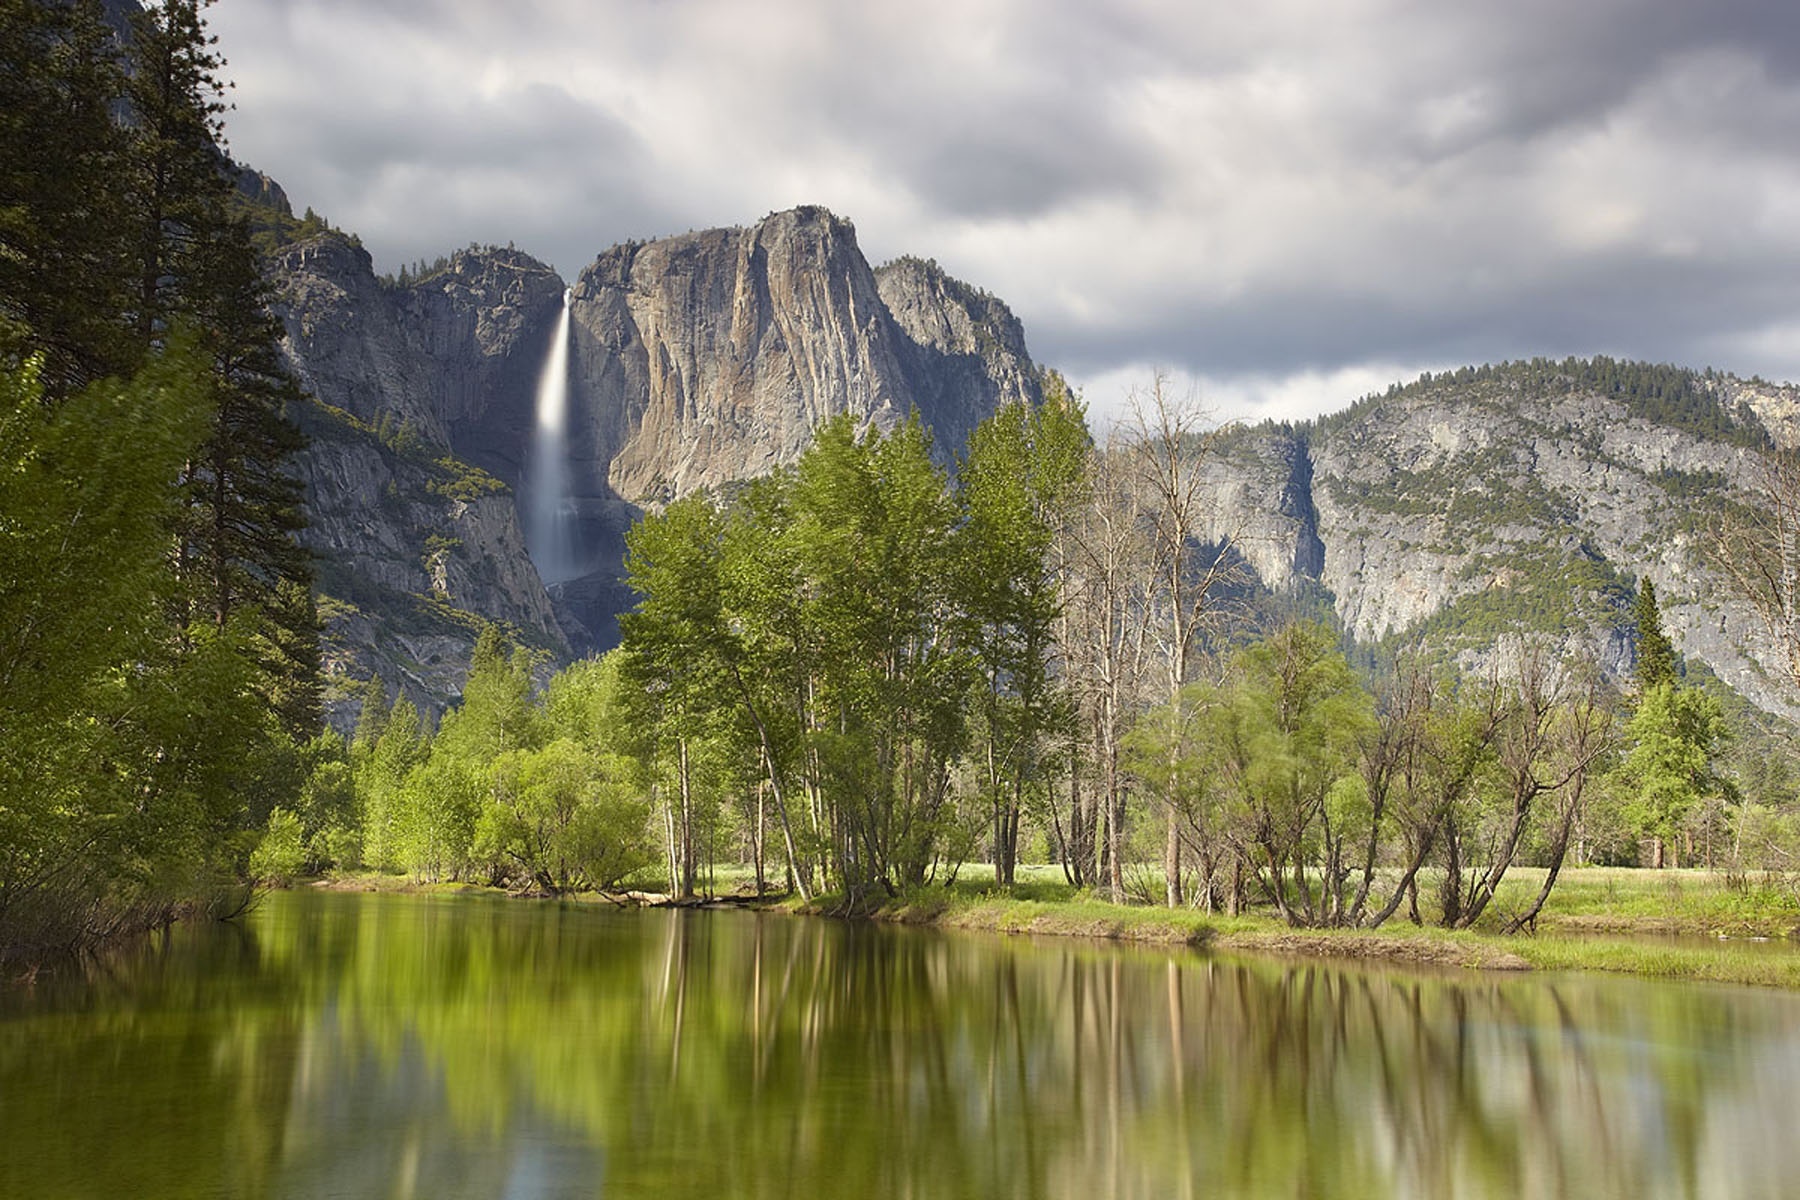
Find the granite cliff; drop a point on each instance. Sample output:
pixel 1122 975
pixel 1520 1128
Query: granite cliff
pixel 695 362
pixel 1525 496
pixel 1449 511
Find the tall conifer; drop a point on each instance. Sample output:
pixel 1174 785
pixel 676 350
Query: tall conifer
pixel 1655 653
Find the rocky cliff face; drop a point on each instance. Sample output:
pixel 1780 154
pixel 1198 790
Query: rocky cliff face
pixel 1453 510
pixel 709 358
pixel 695 362
pixel 1526 496
pixel 416 545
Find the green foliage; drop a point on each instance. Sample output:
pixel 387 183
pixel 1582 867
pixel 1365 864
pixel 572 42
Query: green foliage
pixel 1655 653
pixel 1277 762
pixel 330 822
pixel 1529 591
pixel 381 785
pixel 828 631
pixel 455 479
pixel 1675 738
pixel 1023 477
pixel 538 789
pixel 106 787
pixel 150 527
pixel 281 854
pixel 272 229
pixel 565 816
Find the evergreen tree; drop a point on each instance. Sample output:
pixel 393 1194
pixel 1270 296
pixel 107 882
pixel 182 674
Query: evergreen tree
pixel 196 265
pixel 64 250
pixel 244 503
pixel 175 181
pixel 1676 737
pixel 372 716
pixel 1655 653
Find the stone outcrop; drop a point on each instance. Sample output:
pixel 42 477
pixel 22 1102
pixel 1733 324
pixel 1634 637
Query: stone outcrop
pixel 1512 497
pixel 696 361
pixel 709 358
pixel 416 544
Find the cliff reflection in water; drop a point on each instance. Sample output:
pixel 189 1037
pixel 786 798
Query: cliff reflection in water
pixel 440 1047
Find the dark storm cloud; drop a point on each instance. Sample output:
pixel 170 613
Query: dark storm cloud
pixel 1252 195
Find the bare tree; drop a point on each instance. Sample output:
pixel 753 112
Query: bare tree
pixel 1165 444
pixel 1105 647
pixel 1553 732
pixel 1758 550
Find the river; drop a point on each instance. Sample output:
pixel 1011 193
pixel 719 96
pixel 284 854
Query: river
pixel 446 1046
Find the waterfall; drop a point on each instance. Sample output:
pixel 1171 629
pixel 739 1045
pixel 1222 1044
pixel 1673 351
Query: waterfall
pixel 550 527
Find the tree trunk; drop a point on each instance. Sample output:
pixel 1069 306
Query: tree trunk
pixel 685 825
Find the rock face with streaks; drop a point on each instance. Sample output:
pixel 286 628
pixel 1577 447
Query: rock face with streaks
pixel 415 543
pixel 1527 496
pixel 695 362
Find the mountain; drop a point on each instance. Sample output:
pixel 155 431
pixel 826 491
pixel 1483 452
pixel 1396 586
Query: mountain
pixel 693 362
pixel 1451 511
pixel 1525 496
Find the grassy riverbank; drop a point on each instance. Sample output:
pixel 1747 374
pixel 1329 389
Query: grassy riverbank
pixel 1695 925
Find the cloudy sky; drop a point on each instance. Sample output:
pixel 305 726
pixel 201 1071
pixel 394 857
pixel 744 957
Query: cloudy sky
pixel 1284 203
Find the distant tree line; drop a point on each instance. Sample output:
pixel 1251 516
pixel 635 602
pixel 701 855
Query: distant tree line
pixel 1656 392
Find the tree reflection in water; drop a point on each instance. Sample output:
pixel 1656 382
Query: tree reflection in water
pixel 377 1045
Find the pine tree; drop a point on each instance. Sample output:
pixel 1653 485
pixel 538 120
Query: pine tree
pixel 175 182
pixel 244 510
pixel 64 253
pixel 196 266
pixel 372 719
pixel 1655 653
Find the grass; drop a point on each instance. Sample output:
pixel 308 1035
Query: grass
pixel 1630 900
pixel 1687 924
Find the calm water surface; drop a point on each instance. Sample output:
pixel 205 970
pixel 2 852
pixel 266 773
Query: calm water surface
pixel 401 1046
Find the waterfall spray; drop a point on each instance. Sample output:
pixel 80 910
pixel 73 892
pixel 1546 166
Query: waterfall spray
pixel 550 518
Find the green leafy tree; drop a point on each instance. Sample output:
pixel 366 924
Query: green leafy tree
pixel 330 823
pixel 381 785
pixel 1025 471
pixel 874 531
pixel 563 815
pixel 281 854
pixel 1675 738
pixel 86 490
pixel 1285 734
pixel 678 653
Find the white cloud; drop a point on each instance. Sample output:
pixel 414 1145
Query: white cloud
pixel 1282 200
